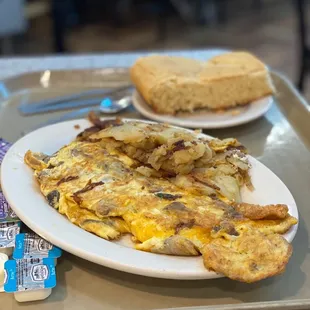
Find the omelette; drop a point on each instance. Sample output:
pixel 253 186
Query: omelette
pixel 175 193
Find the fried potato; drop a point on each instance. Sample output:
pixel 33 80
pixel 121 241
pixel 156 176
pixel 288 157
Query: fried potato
pixel 160 146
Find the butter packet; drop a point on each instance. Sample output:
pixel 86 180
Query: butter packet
pixel 8 232
pixel 29 274
pixel 30 245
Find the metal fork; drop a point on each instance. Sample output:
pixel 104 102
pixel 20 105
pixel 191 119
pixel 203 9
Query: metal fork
pixel 70 101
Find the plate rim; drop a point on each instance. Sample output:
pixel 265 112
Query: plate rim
pixel 137 98
pixel 190 275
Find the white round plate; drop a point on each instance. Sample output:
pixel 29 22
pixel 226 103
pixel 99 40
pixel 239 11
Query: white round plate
pixel 23 194
pixel 206 119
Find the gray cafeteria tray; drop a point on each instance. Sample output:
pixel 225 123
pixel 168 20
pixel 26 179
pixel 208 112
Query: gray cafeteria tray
pixel 279 139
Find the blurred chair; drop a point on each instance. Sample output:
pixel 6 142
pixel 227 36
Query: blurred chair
pixel 68 12
pixel 158 8
pixel 12 22
pixel 60 11
pixel 192 11
pixel 304 49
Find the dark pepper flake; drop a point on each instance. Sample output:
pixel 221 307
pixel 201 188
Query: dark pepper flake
pixel 254 267
pixel 216 228
pixel 95 119
pixel 67 179
pixel 88 187
pixel 232 231
pixel 93 140
pixel 169 153
pixel 213 196
pixel 88 131
pixel 77 199
pixel 46 158
pixel 168 196
pixel 230 212
pixel 207 183
pixel 176 206
pixel 228 227
pixel 167 174
pixel 183 225
pixel 179 145
pixel 53 198
pixel 98 125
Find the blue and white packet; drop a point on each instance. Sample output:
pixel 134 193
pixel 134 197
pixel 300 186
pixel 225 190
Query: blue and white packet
pixel 4 147
pixel 29 278
pixel 30 245
pixel 29 274
pixel 8 232
pixel 6 213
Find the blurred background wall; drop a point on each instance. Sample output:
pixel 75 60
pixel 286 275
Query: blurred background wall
pixel 269 28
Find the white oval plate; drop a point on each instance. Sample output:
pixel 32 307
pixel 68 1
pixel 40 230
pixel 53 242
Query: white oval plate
pixel 23 194
pixel 206 119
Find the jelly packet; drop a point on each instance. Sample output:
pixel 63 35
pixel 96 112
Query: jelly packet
pixel 30 245
pixel 8 232
pixel 29 274
pixel 6 213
